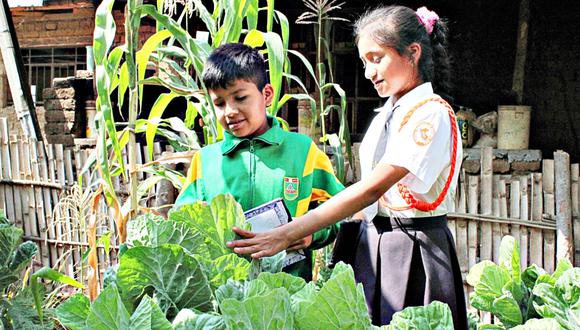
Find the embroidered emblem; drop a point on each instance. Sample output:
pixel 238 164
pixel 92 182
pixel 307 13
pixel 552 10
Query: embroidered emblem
pixel 290 188
pixel 423 133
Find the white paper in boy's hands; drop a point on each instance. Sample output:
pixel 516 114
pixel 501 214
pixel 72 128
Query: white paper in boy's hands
pixel 271 215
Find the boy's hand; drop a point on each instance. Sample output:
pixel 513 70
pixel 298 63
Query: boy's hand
pixel 300 244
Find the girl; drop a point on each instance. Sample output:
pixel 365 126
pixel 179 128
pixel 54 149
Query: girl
pixel 410 159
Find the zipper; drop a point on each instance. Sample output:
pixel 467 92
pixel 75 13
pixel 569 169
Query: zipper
pixel 252 171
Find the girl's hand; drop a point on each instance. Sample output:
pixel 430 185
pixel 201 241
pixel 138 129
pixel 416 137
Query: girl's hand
pixel 300 244
pixel 259 245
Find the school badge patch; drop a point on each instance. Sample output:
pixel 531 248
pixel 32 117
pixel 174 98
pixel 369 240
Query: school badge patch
pixel 291 188
pixel 423 133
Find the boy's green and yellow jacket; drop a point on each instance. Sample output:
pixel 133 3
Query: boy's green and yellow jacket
pixel 257 170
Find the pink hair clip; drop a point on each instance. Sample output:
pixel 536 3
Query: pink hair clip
pixel 428 18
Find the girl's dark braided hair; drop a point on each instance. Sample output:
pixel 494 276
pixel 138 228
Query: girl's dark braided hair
pixel 398 27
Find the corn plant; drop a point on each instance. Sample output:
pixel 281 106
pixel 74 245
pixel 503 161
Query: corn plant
pixel 177 56
pixel 319 15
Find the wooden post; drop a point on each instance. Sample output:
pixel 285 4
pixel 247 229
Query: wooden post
pixel 39 197
pixel 550 210
pixel 473 194
pixel 486 202
pixel 6 173
pixel 524 215
pixel 515 206
pixel 55 225
pixel 565 238
pixel 536 237
pixel 48 206
pixel 548 186
pixel 14 166
pixel 575 195
pixel 521 49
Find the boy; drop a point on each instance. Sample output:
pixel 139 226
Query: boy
pixel 258 161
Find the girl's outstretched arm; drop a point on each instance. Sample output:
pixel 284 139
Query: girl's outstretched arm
pixel 340 206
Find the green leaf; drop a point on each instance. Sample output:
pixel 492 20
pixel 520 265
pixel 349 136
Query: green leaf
pixel 232 290
pixel 74 312
pixel 271 311
pixel 569 285
pixel 553 303
pixel 148 316
pixel 53 275
pixel 531 274
pixel 539 324
pixel 436 315
pixel 123 84
pixel 9 239
pixel 143 55
pixel 226 267
pixel 156 112
pixel 23 256
pixel 21 312
pixel 187 319
pixel 493 279
pixel 490 327
pixel 108 312
pixel 509 255
pixel 174 276
pixel 340 304
pixel 213 222
pixel 105 240
pixel 291 283
pixel 563 266
pixel 254 39
pixel 506 308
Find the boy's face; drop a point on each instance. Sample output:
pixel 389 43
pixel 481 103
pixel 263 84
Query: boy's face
pixel 241 107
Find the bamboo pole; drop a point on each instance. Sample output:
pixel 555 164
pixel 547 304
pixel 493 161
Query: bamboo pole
pixel 565 238
pixel 503 202
pixel 536 236
pixel 15 170
pixel 55 225
pixel 548 186
pixel 549 210
pixel 72 224
pixel 496 227
pixel 32 214
pixel 486 202
pixel 575 195
pixel 472 208
pixel 48 205
pixel 39 198
pixel 515 207
pixel 64 218
pixel 524 216
pixel 6 173
pixel 2 187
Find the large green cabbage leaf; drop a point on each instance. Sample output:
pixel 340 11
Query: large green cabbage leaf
pixel 270 311
pixel 152 231
pixel 213 222
pixel 340 304
pixel 562 300
pixel 187 319
pixel 168 273
pixel 436 315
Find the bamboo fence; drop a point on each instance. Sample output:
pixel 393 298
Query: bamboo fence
pixel 529 206
pixel 40 193
pixel 540 210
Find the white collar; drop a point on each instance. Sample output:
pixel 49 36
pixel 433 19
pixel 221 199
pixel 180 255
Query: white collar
pixel 420 92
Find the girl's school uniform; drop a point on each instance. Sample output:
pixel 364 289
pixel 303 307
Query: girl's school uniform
pixel 406 257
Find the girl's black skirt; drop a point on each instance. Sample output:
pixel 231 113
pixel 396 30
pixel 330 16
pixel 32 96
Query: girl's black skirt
pixel 408 262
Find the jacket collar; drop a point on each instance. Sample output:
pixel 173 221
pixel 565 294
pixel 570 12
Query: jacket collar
pixel 273 136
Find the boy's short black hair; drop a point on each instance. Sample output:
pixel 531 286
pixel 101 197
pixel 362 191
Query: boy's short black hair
pixel 234 61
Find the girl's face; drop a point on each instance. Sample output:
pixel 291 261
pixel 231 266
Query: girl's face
pixel 392 74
